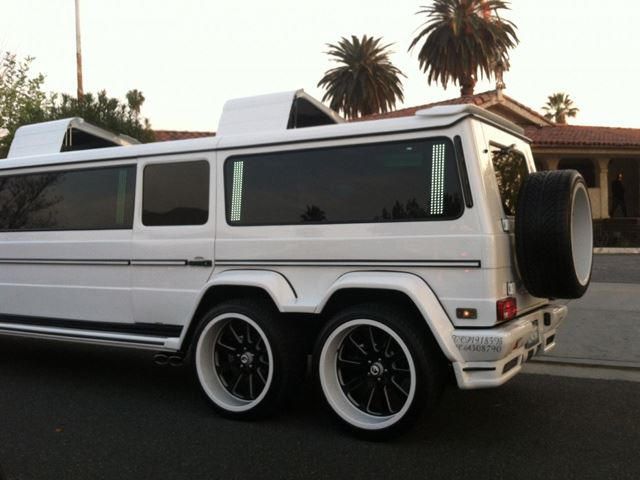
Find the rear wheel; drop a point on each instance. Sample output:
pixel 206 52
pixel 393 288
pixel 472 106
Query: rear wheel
pixel 377 371
pixel 242 359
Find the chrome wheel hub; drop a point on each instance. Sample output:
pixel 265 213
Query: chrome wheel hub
pixel 376 369
pixel 246 359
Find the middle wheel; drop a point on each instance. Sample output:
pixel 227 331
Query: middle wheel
pixel 246 358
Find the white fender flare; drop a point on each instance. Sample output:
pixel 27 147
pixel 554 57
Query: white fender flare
pixel 274 283
pixel 417 290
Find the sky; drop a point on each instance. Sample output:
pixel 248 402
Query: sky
pixel 189 56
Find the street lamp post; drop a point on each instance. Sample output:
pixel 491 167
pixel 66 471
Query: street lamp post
pixel 78 52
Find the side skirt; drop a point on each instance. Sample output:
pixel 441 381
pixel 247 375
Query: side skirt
pixel 151 336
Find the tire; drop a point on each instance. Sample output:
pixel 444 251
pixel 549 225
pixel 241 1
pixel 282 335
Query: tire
pixel 377 371
pixel 245 359
pixel 554 234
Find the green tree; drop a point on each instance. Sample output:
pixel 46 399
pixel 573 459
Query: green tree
pixel 106 112
pixel 558 107
pixel 464 38
pixel 22 100
pixel 365 82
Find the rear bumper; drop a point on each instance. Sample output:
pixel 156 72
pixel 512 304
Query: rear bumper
pixel 492 356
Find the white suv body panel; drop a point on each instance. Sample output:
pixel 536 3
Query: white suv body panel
pixel 440 266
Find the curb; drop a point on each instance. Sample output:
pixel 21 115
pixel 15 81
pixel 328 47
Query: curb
pixel 584 368
pixel 586 362
pixel 616 250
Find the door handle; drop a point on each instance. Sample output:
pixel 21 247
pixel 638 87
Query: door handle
pixel 200 262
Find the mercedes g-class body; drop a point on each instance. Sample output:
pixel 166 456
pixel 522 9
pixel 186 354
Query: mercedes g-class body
pixel 393 251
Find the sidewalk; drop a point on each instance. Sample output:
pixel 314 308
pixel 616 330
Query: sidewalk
pixel 602 328
pixel 601 335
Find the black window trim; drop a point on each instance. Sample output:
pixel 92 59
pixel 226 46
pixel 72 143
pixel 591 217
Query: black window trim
pixel 173 162
pixel 462 171
pixel 231 158
pixel 81 168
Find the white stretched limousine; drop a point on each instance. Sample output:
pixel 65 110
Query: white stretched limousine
pixel 396 252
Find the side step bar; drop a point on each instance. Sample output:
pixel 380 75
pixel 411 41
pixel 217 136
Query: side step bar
pixel 91 336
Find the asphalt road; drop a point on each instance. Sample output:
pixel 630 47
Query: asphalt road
pixel 79 412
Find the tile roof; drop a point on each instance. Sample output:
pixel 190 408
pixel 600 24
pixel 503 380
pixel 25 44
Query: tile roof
pixel 166 135
pixel 583 136
pixel 548 136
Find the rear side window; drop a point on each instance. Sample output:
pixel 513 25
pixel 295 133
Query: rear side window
pixel 176 194
pixel 89 199
pixel 511 169
pixel 412 180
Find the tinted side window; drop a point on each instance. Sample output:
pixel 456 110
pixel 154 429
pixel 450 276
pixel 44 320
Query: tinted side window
pixel 401 181
pixel 511 170
pixel 99 198
pixel 176 194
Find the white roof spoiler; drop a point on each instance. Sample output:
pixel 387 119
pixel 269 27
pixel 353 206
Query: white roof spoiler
pixel 468 109
pixel 51 137
pixel 274 112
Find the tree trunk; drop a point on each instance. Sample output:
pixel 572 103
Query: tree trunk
pixel 466 86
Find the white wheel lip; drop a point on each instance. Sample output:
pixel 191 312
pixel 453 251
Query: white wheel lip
pixel 210 381
pixel 581 239
pixel 333 393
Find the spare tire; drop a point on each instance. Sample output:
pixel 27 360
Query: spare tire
pixel 554 234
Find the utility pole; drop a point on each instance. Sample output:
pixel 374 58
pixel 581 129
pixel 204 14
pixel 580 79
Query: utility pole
pixel 79 52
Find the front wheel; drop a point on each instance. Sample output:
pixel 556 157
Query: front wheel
pixel 377 371
pixel 242 359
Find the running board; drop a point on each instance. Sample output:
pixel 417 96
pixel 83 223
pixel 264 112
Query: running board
pixel 91 336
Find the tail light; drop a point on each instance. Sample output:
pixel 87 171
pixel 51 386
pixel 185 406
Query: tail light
pixel 506 309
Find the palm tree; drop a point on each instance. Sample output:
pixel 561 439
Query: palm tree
pixel 365 82
pixel 558 107
pixel 461 38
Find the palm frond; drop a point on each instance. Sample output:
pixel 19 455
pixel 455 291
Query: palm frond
pixel 559 106
pixel 462 39
pixel 365 81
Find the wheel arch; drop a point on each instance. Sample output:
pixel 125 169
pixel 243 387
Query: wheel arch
pixel 403 289
pixel 269 286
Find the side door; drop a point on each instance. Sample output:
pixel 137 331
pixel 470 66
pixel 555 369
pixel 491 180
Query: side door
pixel 65 234
pixel 173 237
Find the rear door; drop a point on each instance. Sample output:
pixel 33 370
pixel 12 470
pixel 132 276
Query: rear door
pixel 173 238
pixel 512 161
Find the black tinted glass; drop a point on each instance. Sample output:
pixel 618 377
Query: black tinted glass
pixel 176 194
pixel 511 170
pixel 68 200
pixel 400 181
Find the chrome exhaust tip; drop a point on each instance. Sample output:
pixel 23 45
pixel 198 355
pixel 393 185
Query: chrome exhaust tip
pixel 161 359
pixel 176 361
